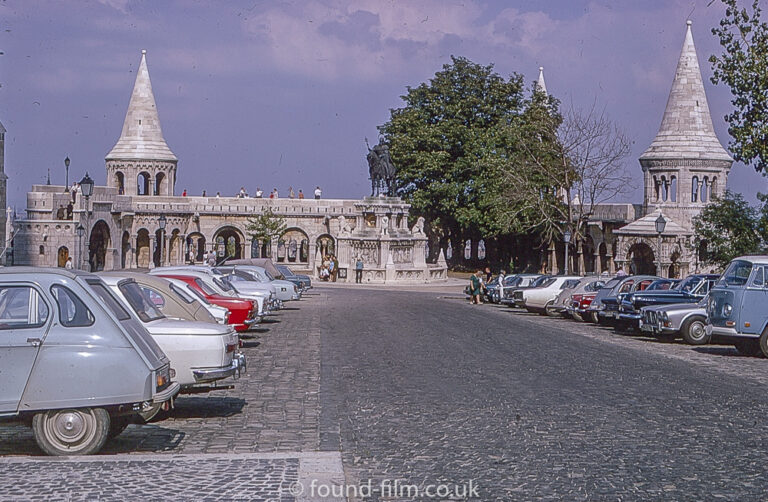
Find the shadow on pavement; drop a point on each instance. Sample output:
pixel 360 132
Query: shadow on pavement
pixel 205 407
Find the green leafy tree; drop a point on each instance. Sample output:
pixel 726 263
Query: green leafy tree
pixel 743 67
pixel 449 142
pixel 266 226
pixel 727 228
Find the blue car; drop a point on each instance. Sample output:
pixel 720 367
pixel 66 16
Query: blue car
pixel 737 311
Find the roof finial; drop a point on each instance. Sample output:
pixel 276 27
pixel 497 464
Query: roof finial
pixel 689 22
pixel 143 51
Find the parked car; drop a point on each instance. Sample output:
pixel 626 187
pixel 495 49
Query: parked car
pixel 498 292
pixel 173 300
pixel 304 282
pixel 608 312
pixel 517 298
pixel 564 298
pixel 582 296
pixel 671 321
pixel 264 294
pixel 201 353
pixel 690 290
pixel 243 313
pixel 74 360
pixel 221 314
pixel 736 310
pixel 596 305
pixel 285 291
pixel 519 281
pixel 542 297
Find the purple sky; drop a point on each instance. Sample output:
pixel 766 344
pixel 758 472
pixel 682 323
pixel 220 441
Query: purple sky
pixel 272 94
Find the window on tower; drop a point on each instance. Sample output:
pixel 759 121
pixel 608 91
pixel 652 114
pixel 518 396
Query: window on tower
pixel 695 189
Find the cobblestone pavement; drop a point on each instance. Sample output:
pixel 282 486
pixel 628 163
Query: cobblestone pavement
pixel 436 391
pixel 413 388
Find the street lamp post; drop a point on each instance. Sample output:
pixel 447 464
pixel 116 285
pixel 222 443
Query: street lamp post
pixel 661 224
pixel 86 186
pixel 162 222
pixel 567 239
pixel 80 231
pixel 66 180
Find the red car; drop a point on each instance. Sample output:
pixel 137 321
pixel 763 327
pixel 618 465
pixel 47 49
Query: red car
pixel 580 304
pixel 242 313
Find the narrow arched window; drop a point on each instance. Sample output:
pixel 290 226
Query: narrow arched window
pixel 673 189
pixel 705 189
pixel 695 189
pixel 664 188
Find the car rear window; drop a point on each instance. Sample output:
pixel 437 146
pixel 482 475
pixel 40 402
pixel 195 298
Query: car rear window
pixel 185 297
pixel 109 300
pixel 72 311
pixel 139 302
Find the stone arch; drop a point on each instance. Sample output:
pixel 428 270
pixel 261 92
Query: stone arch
pixel 296 244
pixel 196 244
pixel 641 258
pixel 325 244
pixel 98 243
pixel 142 183
pixel 125 249
pixel 120 182
pixel 160 184
pixel 61 256
pixel 142 248
pixel 228 243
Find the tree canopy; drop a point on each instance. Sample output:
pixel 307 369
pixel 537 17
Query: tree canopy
pixel 266 226
pixel 728 227
pixel 743 67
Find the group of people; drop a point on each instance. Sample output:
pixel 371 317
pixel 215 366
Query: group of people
pixel 477 282
pixel 329 268
pixel 259 194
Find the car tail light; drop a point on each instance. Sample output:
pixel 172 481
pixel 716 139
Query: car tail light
pixel 231 347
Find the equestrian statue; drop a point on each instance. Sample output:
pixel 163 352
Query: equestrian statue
pixel 381 169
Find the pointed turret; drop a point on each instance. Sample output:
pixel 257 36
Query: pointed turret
pixel 686 130
pixel 142 136
pixel 540 85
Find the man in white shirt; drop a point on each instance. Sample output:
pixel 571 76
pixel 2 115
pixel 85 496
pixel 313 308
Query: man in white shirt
pixel 318 193
pixel 259 193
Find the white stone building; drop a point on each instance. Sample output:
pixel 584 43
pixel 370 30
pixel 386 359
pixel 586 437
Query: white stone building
pixel 121 222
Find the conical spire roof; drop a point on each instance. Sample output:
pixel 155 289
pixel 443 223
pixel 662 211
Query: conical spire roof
pixel 142 136
pixel 686 130
pixel 540 85
pixel 2 129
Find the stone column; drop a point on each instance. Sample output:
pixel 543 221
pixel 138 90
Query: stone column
pixel 598 266
pixel 580 259
pixel 152 247
pixel 553 269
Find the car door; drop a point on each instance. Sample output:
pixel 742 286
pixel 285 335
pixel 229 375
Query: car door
pixel 24 323
pixel 754 302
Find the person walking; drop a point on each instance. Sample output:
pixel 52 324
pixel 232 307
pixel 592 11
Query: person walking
pixel 318 193
pixel 476 287
pixel 359 270
pixel 69 265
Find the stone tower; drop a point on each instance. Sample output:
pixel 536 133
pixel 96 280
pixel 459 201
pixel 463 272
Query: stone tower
pixel 141 162
pixel 686 164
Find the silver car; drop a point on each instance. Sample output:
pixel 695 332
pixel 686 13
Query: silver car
pixel 671 321
pixel 74 360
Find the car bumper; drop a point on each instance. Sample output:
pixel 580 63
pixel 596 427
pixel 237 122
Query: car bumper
pixel 723 332
pixel 203 375
pixel 167 393
pixel 626 316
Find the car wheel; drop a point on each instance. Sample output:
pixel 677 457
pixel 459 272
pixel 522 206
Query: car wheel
pixel 593 317
pixel 81 431
pixel 695 331
pixel 763 342
pixel 549 309
pixel 577 317
pixel 749 348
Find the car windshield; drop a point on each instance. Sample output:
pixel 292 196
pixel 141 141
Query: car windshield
pixel 512 280
pixel 285 271
pixel 248 275
pixel 659 285
pixel 688 284
pixel 139 302
pixel 736 274
pixel 594 286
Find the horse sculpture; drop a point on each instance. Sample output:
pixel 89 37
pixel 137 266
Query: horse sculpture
pixel 381 169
